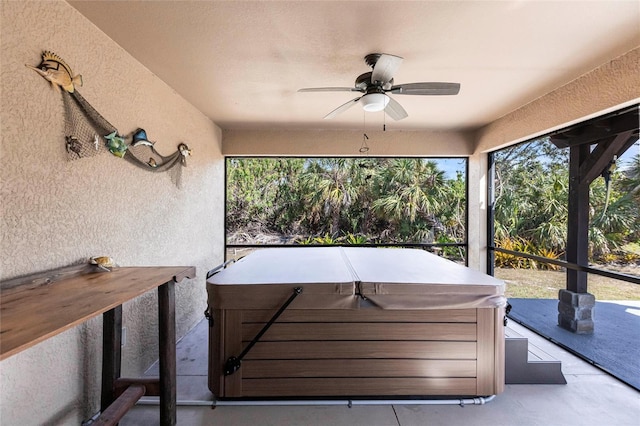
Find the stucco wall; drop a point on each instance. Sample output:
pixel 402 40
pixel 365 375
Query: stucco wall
pixel 57 212
pixel 347 143
pixel 609 87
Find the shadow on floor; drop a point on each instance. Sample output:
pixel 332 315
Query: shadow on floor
pixel 614 346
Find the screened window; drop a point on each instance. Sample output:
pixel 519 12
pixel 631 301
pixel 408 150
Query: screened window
pixel 347 201
pixel 529 217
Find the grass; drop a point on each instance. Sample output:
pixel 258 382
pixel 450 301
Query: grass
pixel 536 284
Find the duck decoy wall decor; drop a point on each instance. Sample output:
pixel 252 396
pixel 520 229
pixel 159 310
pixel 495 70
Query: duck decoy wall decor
pixel 88 133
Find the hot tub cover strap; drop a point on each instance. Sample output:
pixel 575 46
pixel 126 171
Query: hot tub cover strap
pixel 233 363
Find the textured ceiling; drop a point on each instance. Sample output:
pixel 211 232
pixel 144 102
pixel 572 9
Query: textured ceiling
pixel 241 63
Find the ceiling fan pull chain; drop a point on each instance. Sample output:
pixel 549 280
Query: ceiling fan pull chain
pixel 364 147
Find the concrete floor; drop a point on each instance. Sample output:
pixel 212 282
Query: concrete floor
pixel 590 397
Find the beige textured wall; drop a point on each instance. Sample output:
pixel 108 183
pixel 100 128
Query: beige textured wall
pixel 57 212
pixel 346 143
pixel 477 212
pixel 604 89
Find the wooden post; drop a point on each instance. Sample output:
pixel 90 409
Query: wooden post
pixel 575 305
pixel 167 360
pixel 578 219
pixel 111 354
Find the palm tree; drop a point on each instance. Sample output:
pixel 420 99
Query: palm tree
pixel 328 190
pixel 453 211
pixel 614 218
pixel 409 191
pixel 631 179
pixel 395 200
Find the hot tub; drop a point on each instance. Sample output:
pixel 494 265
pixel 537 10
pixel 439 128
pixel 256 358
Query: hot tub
pixel 368 322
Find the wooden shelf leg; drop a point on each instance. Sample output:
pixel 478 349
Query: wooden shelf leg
pixel 111 354
pixel 167 358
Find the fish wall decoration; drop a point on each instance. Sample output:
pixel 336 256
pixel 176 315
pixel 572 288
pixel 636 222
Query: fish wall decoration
pixel 142 153
pixel 55 70
pixel 140 138
pixel 116 144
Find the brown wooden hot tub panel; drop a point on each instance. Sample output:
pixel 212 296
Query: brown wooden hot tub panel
pixel 301 368
pixel 362 331
pixel 364 352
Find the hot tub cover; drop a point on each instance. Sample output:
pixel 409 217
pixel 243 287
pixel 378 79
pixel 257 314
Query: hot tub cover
pixel 342 277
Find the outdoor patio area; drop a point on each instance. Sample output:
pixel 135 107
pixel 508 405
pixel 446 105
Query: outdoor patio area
pixel 613 346
pixel 590 397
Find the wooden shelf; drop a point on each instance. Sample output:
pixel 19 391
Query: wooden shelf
pixel 37 307
pixel 44 307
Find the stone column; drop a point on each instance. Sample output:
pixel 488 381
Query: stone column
pixel 575 311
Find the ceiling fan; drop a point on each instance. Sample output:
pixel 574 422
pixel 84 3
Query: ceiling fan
pixel 376 84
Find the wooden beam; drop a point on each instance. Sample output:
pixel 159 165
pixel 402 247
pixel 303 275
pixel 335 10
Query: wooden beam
pixel 602 156
pixel 592 132
pixel 151 384
pixel 116 411
pixel 486 339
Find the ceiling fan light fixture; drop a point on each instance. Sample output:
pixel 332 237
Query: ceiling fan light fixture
pixel 374 102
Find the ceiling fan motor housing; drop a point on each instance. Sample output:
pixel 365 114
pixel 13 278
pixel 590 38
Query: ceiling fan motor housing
pixel 364 83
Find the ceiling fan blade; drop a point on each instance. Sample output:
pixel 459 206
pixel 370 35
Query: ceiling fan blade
pixel 395 110
pixel 330 89
pixel 385 68
pixel 426 89
pixel 342 108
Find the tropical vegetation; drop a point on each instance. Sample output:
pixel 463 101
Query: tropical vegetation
pixel 413 201
pixel 345 201
pixel 531 193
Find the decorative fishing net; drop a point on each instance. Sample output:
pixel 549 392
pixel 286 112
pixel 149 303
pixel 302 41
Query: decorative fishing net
pixel 84 127
pixel 85 131
pixel 148 158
